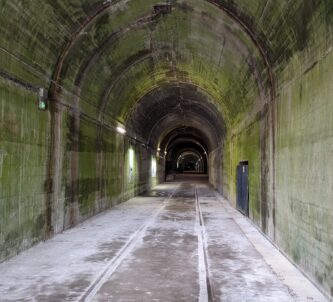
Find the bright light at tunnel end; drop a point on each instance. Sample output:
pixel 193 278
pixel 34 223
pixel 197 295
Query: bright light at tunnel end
pixel 121 130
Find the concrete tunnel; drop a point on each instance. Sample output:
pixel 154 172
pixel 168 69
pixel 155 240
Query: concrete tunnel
pixel 101 101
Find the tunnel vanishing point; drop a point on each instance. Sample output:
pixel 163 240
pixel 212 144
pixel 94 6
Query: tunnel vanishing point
pixel 100 101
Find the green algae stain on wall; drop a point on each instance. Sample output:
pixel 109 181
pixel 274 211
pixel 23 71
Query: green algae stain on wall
pixel 130 180
pixel 23 150
pixel 304 183
pixel 245 146
pixel 87 163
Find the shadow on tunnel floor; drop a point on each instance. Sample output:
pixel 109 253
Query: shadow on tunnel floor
pixel 187 177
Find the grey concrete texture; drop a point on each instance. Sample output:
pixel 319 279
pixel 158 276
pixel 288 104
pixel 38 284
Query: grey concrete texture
pixel 252 78
pixel 180 242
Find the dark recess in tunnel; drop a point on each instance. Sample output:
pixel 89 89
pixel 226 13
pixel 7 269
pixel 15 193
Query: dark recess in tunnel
pixel 182 141
pixel 177 118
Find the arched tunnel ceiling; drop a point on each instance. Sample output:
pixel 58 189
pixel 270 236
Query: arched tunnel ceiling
pixel 115 52
pixel 194 43
pixel 171 106
pixel 186 135
pixel 190 45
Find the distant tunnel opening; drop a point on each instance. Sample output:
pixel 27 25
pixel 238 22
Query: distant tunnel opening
pixel 186 152
pixel 182 124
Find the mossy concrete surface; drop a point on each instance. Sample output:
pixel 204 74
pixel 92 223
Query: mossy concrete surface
pixel 103 176
pixel 253 76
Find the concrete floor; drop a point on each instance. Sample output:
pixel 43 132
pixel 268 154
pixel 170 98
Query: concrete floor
pixel 180 242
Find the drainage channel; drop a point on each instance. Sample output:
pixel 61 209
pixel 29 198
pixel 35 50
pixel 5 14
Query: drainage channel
pixel 114 263
pixel 206 293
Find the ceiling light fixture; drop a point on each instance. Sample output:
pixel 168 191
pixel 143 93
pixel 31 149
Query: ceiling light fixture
pixel 121 130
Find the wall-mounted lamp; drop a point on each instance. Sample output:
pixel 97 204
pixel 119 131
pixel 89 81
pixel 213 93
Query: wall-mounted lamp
pixel 153 167
pixel 121 130
pixel 158 149
pixel 42 99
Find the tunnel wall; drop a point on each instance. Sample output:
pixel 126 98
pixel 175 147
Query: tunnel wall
pixel 288 145
pixel 23 156
pixel 215 166
pixel 288 142
pixel 304 174
pixel 91 175
pixel 245 146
